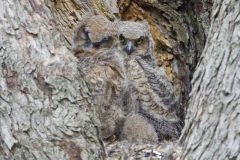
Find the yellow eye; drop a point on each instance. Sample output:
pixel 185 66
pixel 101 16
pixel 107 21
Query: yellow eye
pixel 140 40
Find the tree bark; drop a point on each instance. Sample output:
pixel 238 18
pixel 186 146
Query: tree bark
pixel 45 105
pixel 212 121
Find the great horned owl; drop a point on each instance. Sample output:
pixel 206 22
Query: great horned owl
pixel 135 39
pixel 153 93
pixel 94 32
pixel 118 61
pixel 102 65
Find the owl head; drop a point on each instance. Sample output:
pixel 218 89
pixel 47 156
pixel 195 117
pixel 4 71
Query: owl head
pixel 135 38
pixel 94 32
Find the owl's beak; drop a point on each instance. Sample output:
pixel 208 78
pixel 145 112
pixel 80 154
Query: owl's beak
pixel 129 47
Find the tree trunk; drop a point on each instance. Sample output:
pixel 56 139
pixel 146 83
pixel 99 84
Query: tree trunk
pixel 212 122
pixel 46 108
pixel 45 105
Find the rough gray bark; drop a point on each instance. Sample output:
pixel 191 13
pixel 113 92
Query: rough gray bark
pixel 45 105
pixel 212 122
pixel 202 10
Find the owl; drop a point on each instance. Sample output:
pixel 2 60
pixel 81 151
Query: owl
pixel 127 86
pixel 152 94
pixel 135 40
pixel 93 32
pixel 103 68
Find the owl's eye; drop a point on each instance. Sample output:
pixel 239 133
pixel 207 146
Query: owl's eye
pixel 140 40
pixel 121 38
pixel 105 39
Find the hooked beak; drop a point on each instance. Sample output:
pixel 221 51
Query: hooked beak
pixel 129 47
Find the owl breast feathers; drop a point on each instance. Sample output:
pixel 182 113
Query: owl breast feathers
pixel 128 88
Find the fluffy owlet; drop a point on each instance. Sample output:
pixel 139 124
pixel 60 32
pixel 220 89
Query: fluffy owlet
pixel 102 65
pixel 128 88
pixel 93 32
pixel 152 94
pixel 135 40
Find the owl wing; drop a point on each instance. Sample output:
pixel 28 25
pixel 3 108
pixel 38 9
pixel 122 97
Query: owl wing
pixel 160 84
